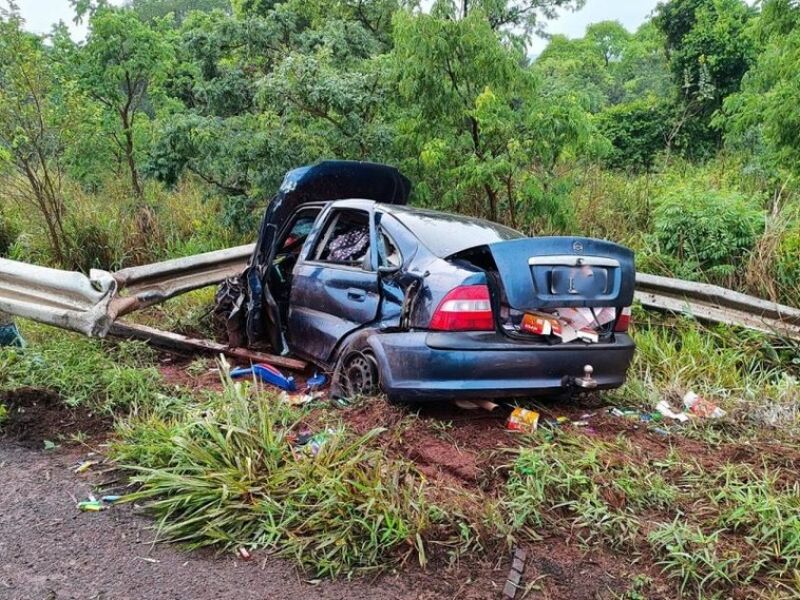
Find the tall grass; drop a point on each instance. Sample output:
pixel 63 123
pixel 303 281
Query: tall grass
pixel 228 475
pixel 100 375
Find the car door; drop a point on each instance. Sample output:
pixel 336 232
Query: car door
pixel 335 287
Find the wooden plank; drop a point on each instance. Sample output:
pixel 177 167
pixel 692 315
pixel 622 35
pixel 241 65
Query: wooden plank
pixel 175 341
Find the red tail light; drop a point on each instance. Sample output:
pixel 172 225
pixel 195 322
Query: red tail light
pixel 465 308
pixel 624 320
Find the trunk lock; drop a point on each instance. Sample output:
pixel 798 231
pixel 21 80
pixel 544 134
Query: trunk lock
pixel 586 382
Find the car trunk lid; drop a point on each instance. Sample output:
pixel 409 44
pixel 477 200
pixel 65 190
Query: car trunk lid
pixel 564 272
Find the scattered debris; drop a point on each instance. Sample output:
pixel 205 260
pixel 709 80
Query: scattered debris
pixel 85 466
pixel 244 553
pixel 665 409
pixel 700 407
pixel 267 374
pixel 515 573
pixel 316 382
pixel 476 404
pixel 10 335
pixel 91 506
pixel 522 419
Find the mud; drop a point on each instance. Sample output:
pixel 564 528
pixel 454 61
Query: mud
pixel 36 415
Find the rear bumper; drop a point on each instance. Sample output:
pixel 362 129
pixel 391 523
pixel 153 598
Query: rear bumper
pixel 433 365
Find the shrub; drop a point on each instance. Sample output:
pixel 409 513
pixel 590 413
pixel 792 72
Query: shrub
pixel 637 131
pixel 787 264
pixel 8 233
pixel 712 230
pixel 228 475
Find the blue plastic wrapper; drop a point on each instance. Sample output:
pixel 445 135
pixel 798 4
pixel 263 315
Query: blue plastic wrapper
pixel 10 336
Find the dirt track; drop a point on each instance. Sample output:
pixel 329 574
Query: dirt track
pixel 51 551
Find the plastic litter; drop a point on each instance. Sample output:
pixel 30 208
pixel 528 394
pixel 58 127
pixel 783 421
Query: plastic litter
pixel 666 410
pixel 91 506
pixel 85 466
pixel 10 335
pixel 700 407
pixel 316 382
pixel 267 374
pixel 476 404
pixel 522 419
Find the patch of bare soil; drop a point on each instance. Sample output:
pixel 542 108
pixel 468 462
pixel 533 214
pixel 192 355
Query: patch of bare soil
pixel 36 415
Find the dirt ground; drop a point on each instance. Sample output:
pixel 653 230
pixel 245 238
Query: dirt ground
pixel 51 551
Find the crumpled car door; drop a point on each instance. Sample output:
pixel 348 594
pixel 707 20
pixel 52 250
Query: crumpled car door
pixel 332 296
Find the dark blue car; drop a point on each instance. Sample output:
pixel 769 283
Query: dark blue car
pixel 422 304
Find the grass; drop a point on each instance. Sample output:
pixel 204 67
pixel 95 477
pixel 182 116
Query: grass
pixel 711 530
pixel 227 474
pixel 102 376
pixel 219 468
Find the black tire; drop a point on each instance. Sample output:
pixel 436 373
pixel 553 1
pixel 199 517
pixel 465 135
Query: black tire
pixel 359 374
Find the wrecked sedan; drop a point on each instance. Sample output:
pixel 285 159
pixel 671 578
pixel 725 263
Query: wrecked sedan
pixel 422 304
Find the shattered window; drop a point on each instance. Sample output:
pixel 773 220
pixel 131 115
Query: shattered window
pixel 388 252
pixel 346 239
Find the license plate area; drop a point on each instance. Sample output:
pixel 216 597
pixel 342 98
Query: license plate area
pixel 579 281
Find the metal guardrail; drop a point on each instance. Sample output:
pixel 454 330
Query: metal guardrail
pixel 146 285
pixel 713 303
pixel 61 298
pixel 91 304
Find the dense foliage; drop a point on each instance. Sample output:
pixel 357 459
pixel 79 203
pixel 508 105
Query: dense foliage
pixel 642 136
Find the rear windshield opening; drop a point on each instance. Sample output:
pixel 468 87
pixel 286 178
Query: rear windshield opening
pixel 542 325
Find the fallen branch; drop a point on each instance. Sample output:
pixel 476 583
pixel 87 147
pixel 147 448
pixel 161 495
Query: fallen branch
pixel 175 341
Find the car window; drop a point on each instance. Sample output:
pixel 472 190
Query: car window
pixel 388 252
pixel 298 233
pixel 345 239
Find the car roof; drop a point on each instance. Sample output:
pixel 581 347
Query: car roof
pixel 445 234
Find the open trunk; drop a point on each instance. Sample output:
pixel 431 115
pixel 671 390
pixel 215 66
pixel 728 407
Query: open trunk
pixel 557 289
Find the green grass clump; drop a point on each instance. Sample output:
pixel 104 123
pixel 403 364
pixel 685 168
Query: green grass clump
pixel 582 484
pixel 227 475
pixel 97 374
pixel 675 355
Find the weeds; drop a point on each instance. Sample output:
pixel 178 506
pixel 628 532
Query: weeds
pixel 575 482
pixel 100 375
pixel 229 476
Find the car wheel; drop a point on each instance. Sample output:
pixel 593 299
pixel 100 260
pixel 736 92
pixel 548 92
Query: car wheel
pixel 360 375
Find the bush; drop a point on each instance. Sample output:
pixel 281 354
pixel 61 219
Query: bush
pixel 711 231
pixel 637 131
pixel 787 264
pixel 227 475
pixel 8 234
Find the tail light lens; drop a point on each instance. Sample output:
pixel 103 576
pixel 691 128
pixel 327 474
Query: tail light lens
pixel 623 321
pixel 465 308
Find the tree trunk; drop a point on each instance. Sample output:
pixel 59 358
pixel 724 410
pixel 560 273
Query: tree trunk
pixel 127 126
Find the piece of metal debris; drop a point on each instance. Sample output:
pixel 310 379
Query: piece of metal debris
pixel 515 573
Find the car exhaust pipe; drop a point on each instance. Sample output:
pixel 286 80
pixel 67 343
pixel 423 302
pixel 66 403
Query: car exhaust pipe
pixel 587 382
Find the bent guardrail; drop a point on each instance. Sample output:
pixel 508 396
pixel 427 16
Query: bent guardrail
pixel 90 305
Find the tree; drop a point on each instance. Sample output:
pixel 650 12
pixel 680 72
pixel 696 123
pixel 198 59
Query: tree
pixel 709 50
pixel 30 144
pixel 471 122
pixel 519 17
pixel 121 65
pixel 153 10
pixel 764 117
